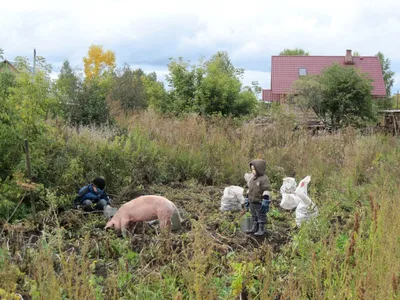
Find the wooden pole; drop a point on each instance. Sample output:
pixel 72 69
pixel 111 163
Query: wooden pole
pixel 34 61
pixel 397 105
pixel 28 168
pixel 394 124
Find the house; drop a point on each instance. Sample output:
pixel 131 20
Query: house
pixel 285 70
pixel 6 65
pixel 11 66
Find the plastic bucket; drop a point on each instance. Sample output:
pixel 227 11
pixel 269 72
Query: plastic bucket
pixel 109 211
pixel 246 223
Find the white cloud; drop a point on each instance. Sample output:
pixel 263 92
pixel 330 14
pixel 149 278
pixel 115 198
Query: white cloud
pixel 148 32
pixel 263 78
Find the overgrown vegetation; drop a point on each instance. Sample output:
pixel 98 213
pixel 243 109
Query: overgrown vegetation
pixel 211 87
pixel 340 96
pixel 345 251
pixel 388 74
pixel 351 250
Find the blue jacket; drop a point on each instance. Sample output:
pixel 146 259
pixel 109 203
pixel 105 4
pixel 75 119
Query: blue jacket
pixel 87 193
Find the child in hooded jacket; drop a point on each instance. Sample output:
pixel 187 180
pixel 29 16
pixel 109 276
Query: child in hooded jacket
pixel 257 197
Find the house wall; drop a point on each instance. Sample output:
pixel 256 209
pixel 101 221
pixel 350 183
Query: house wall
pixel 6 66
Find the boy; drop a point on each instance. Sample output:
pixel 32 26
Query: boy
pixel 93 196
pixel 257 197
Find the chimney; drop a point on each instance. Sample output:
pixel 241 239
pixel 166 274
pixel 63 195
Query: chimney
pixel 348 59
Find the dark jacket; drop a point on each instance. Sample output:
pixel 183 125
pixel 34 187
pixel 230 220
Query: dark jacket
pixel 88 193
pixel 259 183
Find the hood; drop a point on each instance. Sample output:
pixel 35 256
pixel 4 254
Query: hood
pixel 99 182
pixel 260 166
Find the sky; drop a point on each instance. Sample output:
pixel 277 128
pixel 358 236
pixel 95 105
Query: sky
pixel 146 34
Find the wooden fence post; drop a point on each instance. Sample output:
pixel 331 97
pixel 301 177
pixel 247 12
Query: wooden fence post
pixel 28 168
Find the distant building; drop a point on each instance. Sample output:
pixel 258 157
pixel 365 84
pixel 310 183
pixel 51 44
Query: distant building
pixel 5 65
pixel 285 70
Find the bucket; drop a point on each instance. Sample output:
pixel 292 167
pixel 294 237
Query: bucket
pixel 109 211
pixel 246 223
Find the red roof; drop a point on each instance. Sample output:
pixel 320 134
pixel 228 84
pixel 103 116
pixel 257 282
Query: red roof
pixel 285 70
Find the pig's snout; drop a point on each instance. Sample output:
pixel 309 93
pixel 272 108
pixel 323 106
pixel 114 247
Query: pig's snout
pixel 110 224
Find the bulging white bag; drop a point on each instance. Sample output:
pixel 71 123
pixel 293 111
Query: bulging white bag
pixel 289 199
pixel 232 199
pixel 306 208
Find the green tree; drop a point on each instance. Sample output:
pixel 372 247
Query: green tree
pixel 23 64
pixel 245 104
pixel 255 88
pixel 68 81
pixel 156 94
pixel 183 80
pixel 90 105
pixel 1 54
pixel 388 75
pixel 8 119
pixel 340 96
pixel 211 87
pixel 220 91
pixel 395 101
pixel 308 93
pixel 7 81
pixel 128 88
pixel 66 89
pixel 25 103
pixel 296 51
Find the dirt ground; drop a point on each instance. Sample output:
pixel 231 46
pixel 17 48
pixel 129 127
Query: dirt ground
pixel 195 202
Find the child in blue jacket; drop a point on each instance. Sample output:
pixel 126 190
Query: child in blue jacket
pixel 93 196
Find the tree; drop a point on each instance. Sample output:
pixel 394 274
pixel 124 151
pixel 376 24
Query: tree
pixel 220 91
pixel 42 65
pixel 1 54
pixel 296 51
pixel 356 53
pixel 183 80
pixel 388 75
pixel 24 107
pixel 129 90
pixel 98 61
pixel 340 96
pixel 68 81
pixel 255 88
pixel 308 93
pixel 7 81
pixel 211 87
pixel 395 101
pixel 90 106
pixel 9 136
pixel 66 89
pixel 157 96
pixel 23 64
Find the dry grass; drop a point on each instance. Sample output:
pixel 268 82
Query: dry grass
pixel 351 251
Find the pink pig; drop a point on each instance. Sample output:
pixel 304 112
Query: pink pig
pixel 146 208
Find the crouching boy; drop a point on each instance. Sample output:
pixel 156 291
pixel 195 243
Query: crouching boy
pixel 93 196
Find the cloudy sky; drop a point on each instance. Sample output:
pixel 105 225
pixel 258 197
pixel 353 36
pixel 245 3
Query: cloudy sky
pixel 146 33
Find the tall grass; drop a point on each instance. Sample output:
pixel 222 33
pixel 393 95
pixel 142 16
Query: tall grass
pixel 350 251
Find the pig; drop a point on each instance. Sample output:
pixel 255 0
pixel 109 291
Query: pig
pixel 146 208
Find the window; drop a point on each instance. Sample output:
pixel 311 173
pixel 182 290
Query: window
pixel 302 72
